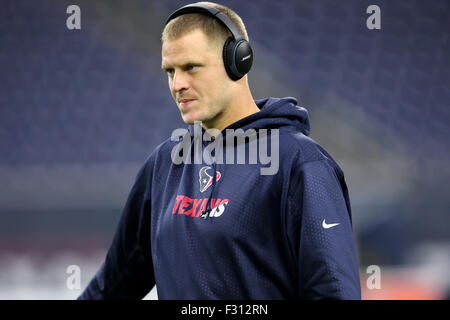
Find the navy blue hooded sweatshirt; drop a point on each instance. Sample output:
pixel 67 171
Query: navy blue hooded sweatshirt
pixel 240 235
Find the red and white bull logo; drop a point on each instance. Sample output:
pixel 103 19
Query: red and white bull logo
pixel 205 179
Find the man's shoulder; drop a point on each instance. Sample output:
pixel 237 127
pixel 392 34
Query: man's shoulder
pixel 306 153
pixel 166 146
pixel 160 155
pixel 164 149
pixel 303 148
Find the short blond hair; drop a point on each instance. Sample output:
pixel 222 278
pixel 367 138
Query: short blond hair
pixel 211 27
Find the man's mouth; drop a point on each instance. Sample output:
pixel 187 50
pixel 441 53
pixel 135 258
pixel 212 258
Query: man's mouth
pixel 185 102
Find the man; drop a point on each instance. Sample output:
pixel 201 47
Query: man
pixel 227 231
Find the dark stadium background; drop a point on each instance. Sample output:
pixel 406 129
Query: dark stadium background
pixel 80 110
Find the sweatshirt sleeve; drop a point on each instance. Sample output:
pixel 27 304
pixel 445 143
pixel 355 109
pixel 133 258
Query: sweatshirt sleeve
pixel 320 232
pixel 127 272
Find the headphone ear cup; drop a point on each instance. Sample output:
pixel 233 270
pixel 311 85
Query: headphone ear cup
pixel 237 58
pixel 243 57
pixel 228 49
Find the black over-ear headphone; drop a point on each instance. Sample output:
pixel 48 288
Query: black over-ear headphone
pixel 237 52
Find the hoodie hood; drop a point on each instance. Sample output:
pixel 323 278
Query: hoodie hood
pixel 274 113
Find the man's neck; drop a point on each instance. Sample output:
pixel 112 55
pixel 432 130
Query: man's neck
pixel 238 109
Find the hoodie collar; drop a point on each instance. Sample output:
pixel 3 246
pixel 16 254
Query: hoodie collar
pixel 274 113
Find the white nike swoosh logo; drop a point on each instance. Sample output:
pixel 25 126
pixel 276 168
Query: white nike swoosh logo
pixel 326 225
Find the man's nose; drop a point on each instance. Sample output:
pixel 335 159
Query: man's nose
pixel 179 81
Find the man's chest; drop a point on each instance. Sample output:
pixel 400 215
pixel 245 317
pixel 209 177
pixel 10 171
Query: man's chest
pixel 243 204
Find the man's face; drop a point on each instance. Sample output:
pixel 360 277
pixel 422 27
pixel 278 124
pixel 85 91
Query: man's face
pixel 197 78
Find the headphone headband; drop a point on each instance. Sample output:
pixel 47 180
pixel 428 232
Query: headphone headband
pixel 201 8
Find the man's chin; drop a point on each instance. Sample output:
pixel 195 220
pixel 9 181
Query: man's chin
pixel 190 120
